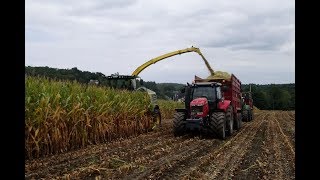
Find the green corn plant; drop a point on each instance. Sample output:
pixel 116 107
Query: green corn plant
pixel 62 115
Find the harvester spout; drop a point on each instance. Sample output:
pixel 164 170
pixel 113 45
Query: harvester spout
pixel 207 64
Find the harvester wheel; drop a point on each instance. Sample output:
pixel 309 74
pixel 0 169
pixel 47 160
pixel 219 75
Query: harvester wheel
pixel 229 119
pixel 178 123
pixel 238 122
pixel 218 124
pixel 156 119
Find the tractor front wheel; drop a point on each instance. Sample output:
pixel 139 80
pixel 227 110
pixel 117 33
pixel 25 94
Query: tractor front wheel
pixel 178 123
pixel 217 124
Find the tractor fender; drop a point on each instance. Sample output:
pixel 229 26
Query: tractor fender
pixel 223 105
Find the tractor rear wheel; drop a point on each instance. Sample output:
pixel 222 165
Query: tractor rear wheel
pixel 178 123
pixel 229 119
pixel 217 124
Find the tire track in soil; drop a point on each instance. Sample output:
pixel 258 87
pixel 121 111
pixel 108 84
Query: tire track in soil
pixel 283 117
pixel 217 160
pixel 250 166
pixel 145 159
pixel 62 163
pixel 275 168
pixel 285 155
pixel 132 158
pixel 287 127
pixel 290 120
pixel 275 157
pixel 231 157
pixel 189 165
pixel 291 115
pixel 175 156
pixel 177 168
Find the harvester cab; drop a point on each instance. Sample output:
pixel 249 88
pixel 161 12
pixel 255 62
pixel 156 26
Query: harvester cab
pixel 117 81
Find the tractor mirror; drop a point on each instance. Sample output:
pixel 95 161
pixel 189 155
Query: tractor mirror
pixel 224 88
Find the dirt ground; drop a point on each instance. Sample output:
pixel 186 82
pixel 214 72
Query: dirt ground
pixel 262 149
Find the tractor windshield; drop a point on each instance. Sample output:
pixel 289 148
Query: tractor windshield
pixel 120 82
pixel 204 91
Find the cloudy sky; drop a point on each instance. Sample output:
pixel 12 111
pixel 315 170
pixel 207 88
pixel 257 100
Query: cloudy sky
pixel 253 39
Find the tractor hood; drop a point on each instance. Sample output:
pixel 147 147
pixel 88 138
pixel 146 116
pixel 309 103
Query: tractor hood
pixel 199 107
pixel 199 102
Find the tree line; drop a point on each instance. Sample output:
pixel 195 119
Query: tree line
pixel 72 74
pixel 267 97
pixel 273 96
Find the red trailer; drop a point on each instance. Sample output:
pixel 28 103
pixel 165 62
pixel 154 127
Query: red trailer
pixel 231 93
pixel 212 106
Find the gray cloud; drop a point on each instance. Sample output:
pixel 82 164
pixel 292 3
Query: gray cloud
pixel 119 35
pixel 265 31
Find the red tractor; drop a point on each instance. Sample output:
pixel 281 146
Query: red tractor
pixel 211 106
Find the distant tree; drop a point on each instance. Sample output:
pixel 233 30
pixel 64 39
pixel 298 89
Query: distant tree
pixel 268 96
pixel 260 99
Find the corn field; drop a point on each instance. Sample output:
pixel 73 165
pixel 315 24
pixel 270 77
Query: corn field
pixel 167 108
pixel 62 116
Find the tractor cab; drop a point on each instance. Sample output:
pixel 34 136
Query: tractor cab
pixel 208 91
pixel 202 98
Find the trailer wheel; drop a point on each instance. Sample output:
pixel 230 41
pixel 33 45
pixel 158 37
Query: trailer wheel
pixel 238 122
pixel 245 115
pixel 229 119
pixel 178 124
pixel 217 124
pixel 250 115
